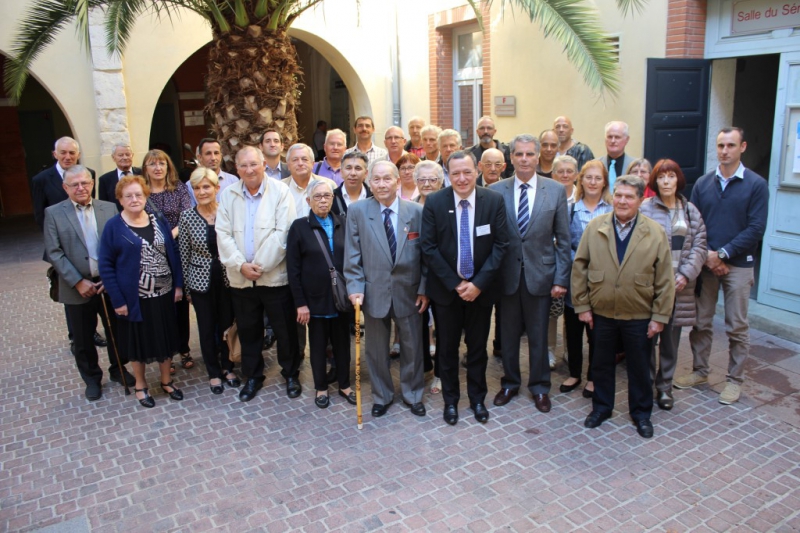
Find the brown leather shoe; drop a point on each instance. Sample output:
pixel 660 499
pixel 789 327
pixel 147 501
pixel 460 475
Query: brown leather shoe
pixel 504 396
pixel 542 402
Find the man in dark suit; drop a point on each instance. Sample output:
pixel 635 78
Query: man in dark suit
pixel 271 146
pixel 616 161
pixel 72 230
pixel 535 268
pixel 384 272
pixel 464 239
pixel 123 158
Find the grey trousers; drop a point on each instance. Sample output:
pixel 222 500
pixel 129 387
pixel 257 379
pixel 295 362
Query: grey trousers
pixel 735 286
pixel 662 366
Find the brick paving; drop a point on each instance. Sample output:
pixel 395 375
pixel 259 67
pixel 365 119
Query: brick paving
pixel 274 464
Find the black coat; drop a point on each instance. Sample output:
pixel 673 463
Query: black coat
pixel 309 277
pixel 107 186
pixel 339 206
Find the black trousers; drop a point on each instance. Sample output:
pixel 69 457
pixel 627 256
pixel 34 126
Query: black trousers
pixel 214 311
pixel 83 321
pixel 182 316
pixel 474 320
pixel 575 329
pixel 637 358
pixel 337 331
pixel 249 306
pixel 429 363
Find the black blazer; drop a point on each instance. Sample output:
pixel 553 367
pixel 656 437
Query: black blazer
pixel 339 206
pixel 47 188
pixel 440 245
pixel 309 277
pixel 107 186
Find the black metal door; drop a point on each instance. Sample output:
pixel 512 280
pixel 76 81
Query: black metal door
pixel 676 114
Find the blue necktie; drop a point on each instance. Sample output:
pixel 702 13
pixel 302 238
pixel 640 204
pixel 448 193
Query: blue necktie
pixel 465 255
pixel 387 225
pixel 612 174
pixel 523 214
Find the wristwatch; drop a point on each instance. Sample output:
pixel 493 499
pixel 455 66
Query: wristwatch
pixel 722 254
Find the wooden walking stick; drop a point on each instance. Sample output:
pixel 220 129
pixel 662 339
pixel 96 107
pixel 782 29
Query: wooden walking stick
pixel 358 363
pixel 114 345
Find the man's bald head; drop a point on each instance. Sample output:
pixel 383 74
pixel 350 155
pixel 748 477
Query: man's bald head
pixel 492 165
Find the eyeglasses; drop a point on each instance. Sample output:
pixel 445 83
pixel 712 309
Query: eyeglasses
pixel 80 185
pixel 407 168
pixel 154 164
pixel 318 197
pixel 394 138
pixel 131 196
pixel 593 179
pixel 427 181
pixel 493 165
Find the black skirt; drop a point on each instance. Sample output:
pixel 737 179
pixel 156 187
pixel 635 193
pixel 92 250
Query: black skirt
pixel 155 338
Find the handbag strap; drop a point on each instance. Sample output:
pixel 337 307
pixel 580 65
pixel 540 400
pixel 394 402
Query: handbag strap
pixel 325 252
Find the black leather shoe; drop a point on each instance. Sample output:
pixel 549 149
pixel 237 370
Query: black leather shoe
pixel 94 391
pixel 99 341
pixel 569 388
pixel 129 379
pixel 351 398
pixel 217 389
pixel 644 428
pixel 380 409
pixel 72 349
pixel 542 402
pixel 665 400
pixel 451 414
pixel 595 418
pixel 293 387
pixel 587 393
pixel 331 376
pixel 416 409
pixel 234 382
pixel 481 413
pixel 176 394
pixel 322 401
pixel 251 387
pixel 504 396
pixel 269 340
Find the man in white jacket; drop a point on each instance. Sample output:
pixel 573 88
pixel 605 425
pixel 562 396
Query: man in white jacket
pixel 252 224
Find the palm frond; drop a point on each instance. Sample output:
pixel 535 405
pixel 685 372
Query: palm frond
pixel 294 9
pixel 240 14
pixel 630 6
pixel 577 25
pixel 120 19
pixel 38 29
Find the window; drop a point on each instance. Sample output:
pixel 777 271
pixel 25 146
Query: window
pixel 467 82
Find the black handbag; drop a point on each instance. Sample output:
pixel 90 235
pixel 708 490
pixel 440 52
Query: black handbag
pixel 52 277
pixel 338 285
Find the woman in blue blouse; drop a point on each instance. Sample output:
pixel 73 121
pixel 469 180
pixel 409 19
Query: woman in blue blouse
pixel 310 282
pixel 141 271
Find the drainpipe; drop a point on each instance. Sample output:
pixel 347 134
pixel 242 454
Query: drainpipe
pixel 394 52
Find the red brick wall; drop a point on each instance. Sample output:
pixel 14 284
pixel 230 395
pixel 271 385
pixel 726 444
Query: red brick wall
pixel 440 61
pixel 686 28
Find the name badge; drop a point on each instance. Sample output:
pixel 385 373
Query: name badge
pixel 480 231
pixel 749 257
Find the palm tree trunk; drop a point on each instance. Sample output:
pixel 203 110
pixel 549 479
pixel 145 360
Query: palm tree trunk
pixel 253 83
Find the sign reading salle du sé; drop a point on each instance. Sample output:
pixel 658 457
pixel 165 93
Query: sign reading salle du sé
pixel 757 16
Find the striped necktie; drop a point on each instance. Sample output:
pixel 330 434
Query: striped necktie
pixel 387 225
pixel 523 213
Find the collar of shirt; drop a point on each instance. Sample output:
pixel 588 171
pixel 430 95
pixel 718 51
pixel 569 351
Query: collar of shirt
pixel 738 174
pixel 129 171
pixel 258 194
pixel 82 207
pixel 349 200
pixel 272 172
pixel 624 226
pixel 470 199
pixel 580 206
pixel 395 207
pixel 531 182
pixel 60 170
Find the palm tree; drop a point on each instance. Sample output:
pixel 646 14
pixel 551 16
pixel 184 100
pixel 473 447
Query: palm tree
pixel 253 75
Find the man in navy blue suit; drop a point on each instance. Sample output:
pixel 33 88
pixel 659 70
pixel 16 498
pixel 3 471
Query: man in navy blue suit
pixel 123 158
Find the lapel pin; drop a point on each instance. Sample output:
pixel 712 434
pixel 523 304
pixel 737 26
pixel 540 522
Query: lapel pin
pixel 405 229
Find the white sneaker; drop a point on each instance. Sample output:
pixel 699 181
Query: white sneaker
pixel 436 386
pixel 730 394
pixel 552 357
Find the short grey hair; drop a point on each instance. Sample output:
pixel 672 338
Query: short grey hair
pixel 425 165
pixel 448 133
pixel 611 124
pixel 120 145
pixel 395 171
pixel 315 184
pixel 202 173
pixel 565 159
pixel 299 146
pixel 65 140
pixel 249 148
pixel 336 131
pixel 76 170
pixel 524 138
pixel 431 128
pixel 631 181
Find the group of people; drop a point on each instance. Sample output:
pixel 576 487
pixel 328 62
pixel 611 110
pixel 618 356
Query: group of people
pixel 421 230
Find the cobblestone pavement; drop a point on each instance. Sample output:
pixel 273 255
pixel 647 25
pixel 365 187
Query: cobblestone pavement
pixel 275 464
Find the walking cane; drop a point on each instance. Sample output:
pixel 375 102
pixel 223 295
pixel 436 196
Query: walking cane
pixel 114 345
pixel 358 363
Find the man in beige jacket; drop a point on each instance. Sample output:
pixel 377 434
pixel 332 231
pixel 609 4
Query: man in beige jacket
pixel 252 224
pixel 623 285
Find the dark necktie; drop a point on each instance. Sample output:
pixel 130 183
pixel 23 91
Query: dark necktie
pixel 523 214
pixel 390 237
pixel 465 254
